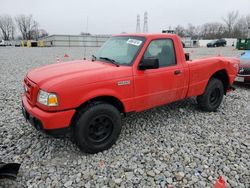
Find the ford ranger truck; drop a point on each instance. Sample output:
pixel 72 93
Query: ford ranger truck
pixel 129 73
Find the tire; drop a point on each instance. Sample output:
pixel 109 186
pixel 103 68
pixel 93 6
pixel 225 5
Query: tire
pixel 97 127
pixel 211 99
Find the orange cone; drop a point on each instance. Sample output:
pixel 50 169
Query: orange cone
pixel 220 183
pixel 66 55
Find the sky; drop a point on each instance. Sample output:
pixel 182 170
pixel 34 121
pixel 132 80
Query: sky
pixel 114 16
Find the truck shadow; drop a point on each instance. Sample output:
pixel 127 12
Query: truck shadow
pixel 131 124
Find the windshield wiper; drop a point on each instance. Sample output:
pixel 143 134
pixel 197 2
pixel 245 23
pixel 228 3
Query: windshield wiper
pixel 110 60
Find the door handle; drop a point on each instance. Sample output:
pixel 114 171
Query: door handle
pixel 177 72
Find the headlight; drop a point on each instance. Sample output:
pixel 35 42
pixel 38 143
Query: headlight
pixel 47 99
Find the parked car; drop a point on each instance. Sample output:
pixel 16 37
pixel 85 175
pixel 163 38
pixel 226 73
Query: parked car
pixel 2 43
pixel 129 73
pixel 217 43
pixel 244 70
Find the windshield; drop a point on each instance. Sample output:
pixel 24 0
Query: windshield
pixel 121 50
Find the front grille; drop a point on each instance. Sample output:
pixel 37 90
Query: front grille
pixel 30 91
pixel 244 71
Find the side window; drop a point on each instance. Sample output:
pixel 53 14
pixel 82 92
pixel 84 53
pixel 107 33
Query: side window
pixel 163 50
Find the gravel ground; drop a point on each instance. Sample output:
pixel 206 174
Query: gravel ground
pixel 176 144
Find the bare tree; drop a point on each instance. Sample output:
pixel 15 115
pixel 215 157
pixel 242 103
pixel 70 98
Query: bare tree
pixel 13 31
pixel 230 20
pixel 233 26
pixel 83 33
pixel 7 27
pixel 42 33
pixel 240 29
pixel 180 30
pixel 248 25
pixel 192 31
pixel 248 20
pixel 27 26
pixel 212 30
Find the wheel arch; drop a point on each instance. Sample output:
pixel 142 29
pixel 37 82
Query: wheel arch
pixel 223 76
pixel 98 99
pixel 108 99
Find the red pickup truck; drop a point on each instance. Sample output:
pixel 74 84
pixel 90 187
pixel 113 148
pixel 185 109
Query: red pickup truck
pixel 129 73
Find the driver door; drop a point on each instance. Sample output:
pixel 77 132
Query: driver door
pixel 154 87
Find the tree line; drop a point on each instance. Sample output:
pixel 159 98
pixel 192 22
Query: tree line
pixel 233 25
pixel 25 24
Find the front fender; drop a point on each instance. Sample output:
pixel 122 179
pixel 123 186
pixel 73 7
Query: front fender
pixel 123 93
pixel 98 93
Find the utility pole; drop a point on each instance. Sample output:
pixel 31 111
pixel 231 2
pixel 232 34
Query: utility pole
pixel 87 25
pixel 138 24
pixel 145 24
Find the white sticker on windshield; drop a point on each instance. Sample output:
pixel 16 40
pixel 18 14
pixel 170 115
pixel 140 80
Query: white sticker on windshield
pixel 134 42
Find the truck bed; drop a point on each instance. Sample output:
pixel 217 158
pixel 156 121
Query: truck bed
pixel 200 70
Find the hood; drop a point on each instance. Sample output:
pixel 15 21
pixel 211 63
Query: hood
pixel 245 63
pixel 76 73
pixel 245 59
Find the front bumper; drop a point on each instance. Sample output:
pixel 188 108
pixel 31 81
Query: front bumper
pixel 46 121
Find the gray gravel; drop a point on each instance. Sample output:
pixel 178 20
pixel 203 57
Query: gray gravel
pixel 176 144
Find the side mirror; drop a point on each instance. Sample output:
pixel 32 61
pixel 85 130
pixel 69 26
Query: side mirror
pixel 187 56
pixel 149 63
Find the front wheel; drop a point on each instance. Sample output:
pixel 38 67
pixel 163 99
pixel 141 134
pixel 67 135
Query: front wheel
pixel 97 127
pixel 211 99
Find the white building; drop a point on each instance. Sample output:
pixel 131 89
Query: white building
pixel 189 42
pixel 75 40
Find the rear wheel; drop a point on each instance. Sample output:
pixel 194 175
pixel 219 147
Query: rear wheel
pixel 97 127
pixel 211 99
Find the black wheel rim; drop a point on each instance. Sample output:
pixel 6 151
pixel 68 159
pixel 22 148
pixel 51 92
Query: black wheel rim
pixel 215 96
pixel 100 128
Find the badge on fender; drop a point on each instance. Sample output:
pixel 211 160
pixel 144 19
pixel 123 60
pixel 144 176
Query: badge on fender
pixel 125 82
